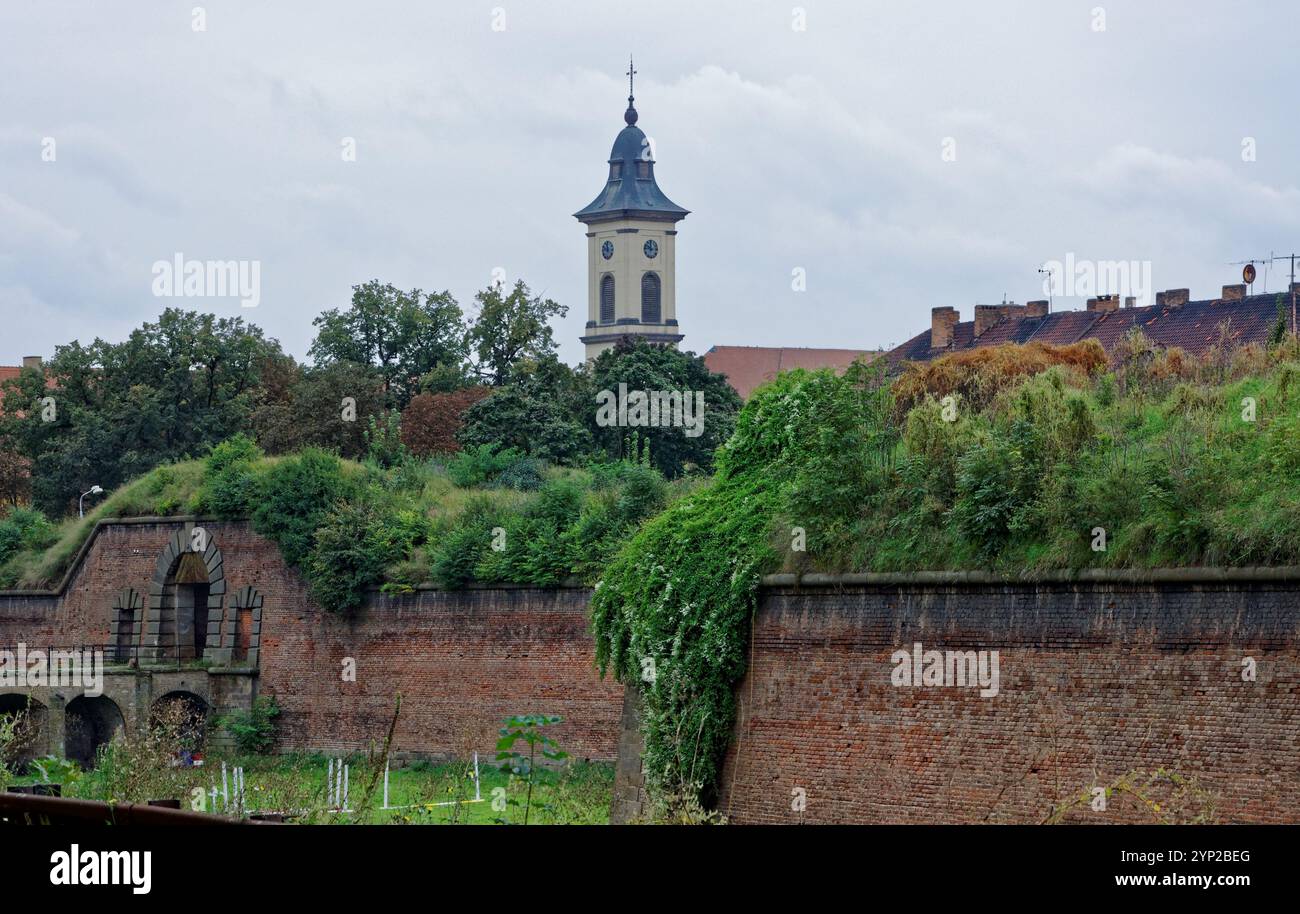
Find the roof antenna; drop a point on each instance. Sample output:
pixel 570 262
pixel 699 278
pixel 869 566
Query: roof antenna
pixel 1045 269
pixel 1248 272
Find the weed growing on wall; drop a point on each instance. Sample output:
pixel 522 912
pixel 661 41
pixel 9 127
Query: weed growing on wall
pixel 254 730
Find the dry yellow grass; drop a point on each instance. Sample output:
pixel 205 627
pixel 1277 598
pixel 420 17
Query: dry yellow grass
pixel 977 375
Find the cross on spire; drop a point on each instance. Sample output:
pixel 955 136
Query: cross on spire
pixel 629 116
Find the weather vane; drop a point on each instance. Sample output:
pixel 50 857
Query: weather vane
pixel 631 72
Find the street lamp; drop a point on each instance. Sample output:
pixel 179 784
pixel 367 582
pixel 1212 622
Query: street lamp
pixel 93 490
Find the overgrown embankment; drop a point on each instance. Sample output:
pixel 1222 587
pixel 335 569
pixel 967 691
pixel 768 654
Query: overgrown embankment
pixel 1017 460
pixel 483 515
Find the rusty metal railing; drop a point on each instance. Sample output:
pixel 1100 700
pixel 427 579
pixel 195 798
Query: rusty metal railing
pixel 25 809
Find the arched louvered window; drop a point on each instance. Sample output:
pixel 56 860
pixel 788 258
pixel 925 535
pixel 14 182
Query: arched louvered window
pixel 607 299
pixel 650 298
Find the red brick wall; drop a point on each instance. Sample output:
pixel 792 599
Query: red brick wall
pixel 463 661
pixel 1097 681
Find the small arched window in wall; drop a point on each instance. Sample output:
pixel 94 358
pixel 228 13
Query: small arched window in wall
pixel 245 638
pixel 650 311
pixel 607 299
pixel 124 624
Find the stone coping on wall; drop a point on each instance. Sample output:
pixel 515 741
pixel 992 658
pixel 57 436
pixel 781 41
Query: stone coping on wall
pixel 1131 576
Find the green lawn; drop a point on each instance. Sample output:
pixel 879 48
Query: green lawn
pixel 579 794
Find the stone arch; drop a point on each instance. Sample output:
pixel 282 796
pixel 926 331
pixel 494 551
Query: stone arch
pixel 125 623
pixel 243 638
pixel 33 732
pixel 187 598
pixel 90 722
pixel 190 717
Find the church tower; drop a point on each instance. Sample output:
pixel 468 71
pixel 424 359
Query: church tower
pixel 631 247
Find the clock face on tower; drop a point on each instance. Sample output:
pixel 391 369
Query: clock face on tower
pixel 607 250
pixel 651 248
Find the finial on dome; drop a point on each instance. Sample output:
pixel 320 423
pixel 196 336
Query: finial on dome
pixel 630 114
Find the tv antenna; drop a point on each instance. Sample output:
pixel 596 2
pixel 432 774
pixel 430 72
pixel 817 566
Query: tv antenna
pixel 1248 273
pixel 1044 269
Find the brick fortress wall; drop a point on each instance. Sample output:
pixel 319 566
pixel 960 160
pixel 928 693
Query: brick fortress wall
pixel 462 660
pixel 1097 679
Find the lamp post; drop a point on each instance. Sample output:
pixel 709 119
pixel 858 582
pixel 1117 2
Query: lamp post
pixel 93 490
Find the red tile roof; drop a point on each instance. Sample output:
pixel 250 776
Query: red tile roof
pixel 746 367
pixel 1193 327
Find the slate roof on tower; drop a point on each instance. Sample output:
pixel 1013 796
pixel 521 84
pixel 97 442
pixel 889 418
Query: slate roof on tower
pixel 631 190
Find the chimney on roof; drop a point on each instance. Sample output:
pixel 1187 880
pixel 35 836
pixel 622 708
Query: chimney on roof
pixel 1104 303
pixel 1176 298
pixel 942 320
pixel 31 361
pixel 1234 292
pixel 1130 301
pixel 1009 310
pixel 1036 308
pixel 986 316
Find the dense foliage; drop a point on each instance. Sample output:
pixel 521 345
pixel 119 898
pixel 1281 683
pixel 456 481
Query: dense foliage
pixel 401 336
pixel 637 365
pixel 104 413
pixel 1019 460
pixel 24 528
pixel 431 421
pixel 671 614
pixel 295 496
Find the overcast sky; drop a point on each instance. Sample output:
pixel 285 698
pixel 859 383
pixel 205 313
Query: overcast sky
pixel 820 149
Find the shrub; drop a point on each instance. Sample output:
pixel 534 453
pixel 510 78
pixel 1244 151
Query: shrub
pixel 294 497
pixel 535 548
pixel 238 449
pixel 480 464
pixel 458 553
pixel 431 421
pixel 229 488
pixel 22 529
pixel 254 731
pixel 524 475
pixel 383 435
pixel 355 542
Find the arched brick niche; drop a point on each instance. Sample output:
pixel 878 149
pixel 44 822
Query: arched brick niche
pixel 186 599
pixel 125 621
pixel 243 637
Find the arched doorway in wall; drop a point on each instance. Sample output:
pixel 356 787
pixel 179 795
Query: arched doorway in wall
pixel 183 715
pixel 89 723
pixel 29 719
pixel 187 598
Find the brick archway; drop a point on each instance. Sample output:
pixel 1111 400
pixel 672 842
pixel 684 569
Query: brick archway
pixel 90 722
pixel 187 598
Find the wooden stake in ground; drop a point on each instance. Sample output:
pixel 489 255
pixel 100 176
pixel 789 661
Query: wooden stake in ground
pixel 388 743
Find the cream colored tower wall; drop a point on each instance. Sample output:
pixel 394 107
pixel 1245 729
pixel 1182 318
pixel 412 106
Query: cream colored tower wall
pixel 627 265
